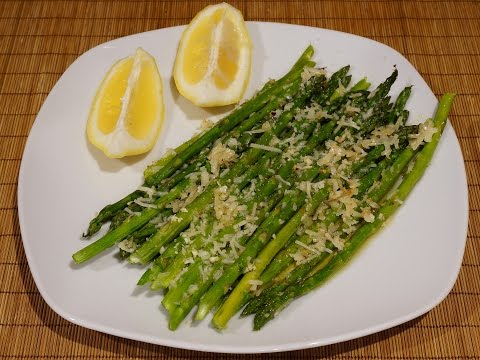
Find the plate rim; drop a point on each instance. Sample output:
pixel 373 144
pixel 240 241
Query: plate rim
pixel 291 346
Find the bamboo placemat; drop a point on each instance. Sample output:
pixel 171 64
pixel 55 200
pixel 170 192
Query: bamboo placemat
pixel 39 39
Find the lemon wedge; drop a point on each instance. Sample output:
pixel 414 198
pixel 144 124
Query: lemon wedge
pixel 212 66
pixel 127 111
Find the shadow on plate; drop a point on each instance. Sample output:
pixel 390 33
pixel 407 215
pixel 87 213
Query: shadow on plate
pixel 111 165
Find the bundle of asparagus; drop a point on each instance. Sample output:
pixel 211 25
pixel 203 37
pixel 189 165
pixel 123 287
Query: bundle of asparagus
pixel 268 203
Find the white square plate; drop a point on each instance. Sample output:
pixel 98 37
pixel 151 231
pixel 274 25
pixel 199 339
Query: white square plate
pixel 402 273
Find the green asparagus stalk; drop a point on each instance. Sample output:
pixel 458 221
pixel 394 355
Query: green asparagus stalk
pixel 337 78
pixel 139 236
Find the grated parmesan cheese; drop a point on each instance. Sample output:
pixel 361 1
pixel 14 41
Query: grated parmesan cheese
pixel 147 190
pixel 220 155
pixel 307 247
pixel 254 284
pixel 282 180
pixel 367 215
pixel 206 124
pixel 144 204
pixel 265 147
pixel 128 245
pixel 226 206
pixel 352 109
pixel 309 72
pixel 175 218
pixel 425 134
pixel 341 89
pixel 313 112
pixel 257 131
pixel 130 212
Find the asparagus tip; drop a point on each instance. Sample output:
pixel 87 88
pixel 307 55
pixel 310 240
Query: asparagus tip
pixel 145 278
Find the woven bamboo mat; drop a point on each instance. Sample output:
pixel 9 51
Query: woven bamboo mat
pixel 39 39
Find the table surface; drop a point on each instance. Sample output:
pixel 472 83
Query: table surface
pixel 40 39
